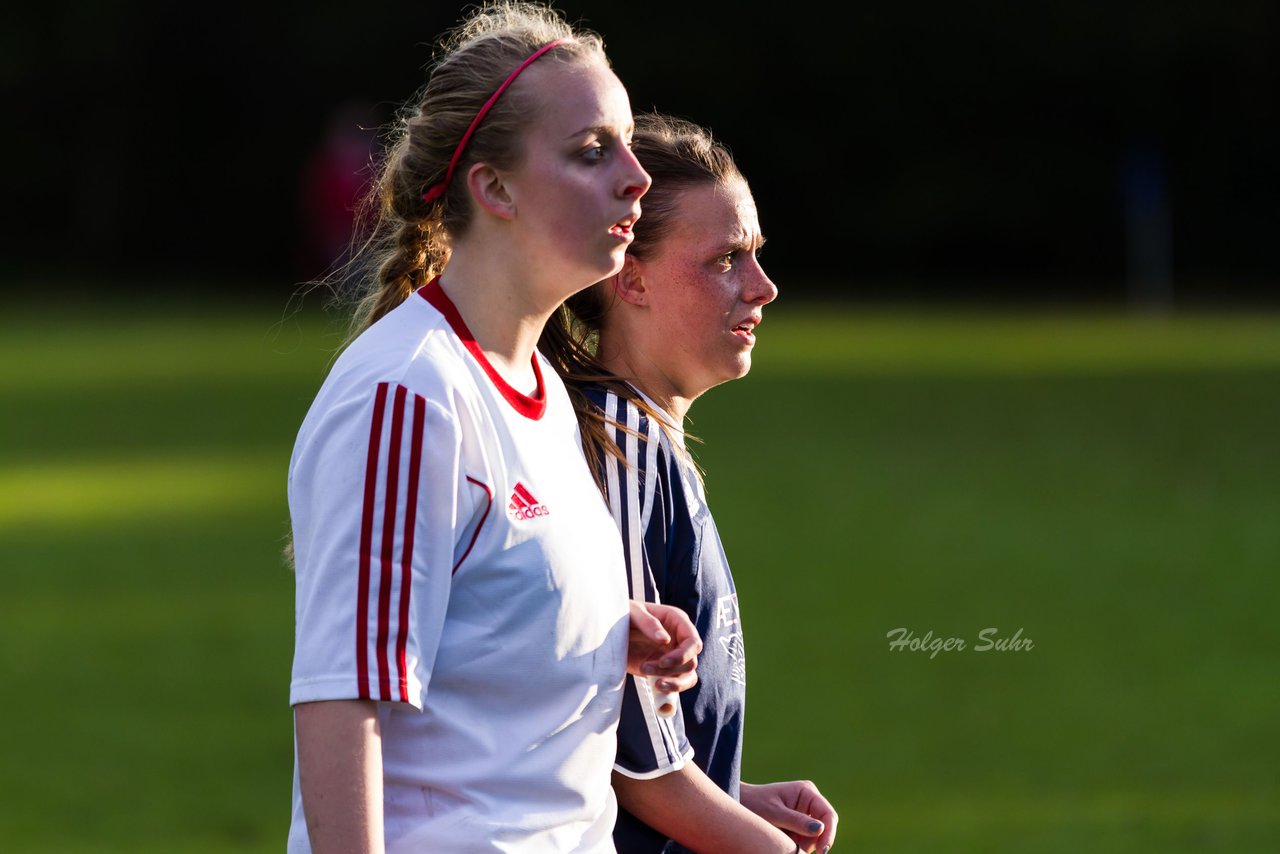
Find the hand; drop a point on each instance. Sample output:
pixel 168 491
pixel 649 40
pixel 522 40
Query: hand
pixel 663 644
pixel 797 808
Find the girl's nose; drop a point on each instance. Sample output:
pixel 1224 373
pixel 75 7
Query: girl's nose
pixel 637 181
pixel 763 290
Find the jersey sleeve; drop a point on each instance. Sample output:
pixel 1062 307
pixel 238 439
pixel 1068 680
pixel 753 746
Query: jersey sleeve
pixel 375 502
pixel 649 745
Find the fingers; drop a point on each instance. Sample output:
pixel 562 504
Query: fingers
pixel 665 701
pixel 797 808
pixel 828 837
pixel 687 643
pixel 672 662
pixel 674 671
pixel 675 684
pixel 804 826
pixel 648 625
pixel 664 645
pixel 675 667
pixel 822 811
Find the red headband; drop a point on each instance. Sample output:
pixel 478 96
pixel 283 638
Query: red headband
pixel 437 190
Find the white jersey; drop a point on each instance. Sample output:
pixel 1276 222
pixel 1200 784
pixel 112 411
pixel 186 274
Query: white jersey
pixel 456 562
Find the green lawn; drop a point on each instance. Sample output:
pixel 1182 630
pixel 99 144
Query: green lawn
pixel 1107 484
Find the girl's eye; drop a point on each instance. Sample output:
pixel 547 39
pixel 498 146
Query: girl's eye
pixel 726 260
pixel 595 152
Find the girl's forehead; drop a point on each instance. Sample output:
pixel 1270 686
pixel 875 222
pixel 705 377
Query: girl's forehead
pixel 578 95
pixel 725 208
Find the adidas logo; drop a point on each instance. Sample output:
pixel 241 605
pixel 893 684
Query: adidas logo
pixel 524 506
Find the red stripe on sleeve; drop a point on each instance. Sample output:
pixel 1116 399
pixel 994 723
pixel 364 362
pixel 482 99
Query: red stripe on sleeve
pixel 366 541
pixel 388 544
pixel 410 523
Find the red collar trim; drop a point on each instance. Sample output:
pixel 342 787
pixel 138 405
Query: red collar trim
pixel 530 407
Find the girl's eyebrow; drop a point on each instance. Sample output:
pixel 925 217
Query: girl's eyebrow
pixel 744 242
pixel 602 131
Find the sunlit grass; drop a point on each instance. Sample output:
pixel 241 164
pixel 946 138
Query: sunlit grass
pixel 112 490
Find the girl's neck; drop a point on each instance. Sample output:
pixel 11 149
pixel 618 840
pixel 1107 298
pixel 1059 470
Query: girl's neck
pixel 646 376
pixel 502 310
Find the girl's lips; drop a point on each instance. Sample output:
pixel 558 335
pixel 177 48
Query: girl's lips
pixel 622 228
pixel 747 328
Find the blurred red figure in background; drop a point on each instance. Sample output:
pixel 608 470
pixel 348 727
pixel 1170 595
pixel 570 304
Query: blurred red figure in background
pixel 334 179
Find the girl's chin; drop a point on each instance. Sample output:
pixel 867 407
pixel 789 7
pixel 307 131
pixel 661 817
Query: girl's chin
pixel 610 267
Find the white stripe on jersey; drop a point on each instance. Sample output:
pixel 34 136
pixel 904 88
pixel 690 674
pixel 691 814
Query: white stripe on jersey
pixel 651 481
pixel 631 503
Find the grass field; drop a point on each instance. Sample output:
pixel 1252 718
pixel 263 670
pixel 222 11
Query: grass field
pixel 1106 484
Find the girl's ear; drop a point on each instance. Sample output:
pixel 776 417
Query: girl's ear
pixel 629 284
pixel 490 192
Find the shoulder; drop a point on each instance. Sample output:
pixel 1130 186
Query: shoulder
pixel 406 355
pixel 412 346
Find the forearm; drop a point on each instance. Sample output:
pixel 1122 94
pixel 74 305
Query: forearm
pixel 689 808
pixel 340 773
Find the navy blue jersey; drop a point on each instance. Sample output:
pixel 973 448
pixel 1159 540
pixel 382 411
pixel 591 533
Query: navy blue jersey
pixel 674 555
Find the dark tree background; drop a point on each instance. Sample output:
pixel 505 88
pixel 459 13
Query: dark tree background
pixel 1069 148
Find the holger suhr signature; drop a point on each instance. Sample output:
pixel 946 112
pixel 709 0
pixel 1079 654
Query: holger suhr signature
pixel 989 640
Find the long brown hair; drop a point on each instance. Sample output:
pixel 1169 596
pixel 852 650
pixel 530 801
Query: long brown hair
pixel 678 155
pixel 403 239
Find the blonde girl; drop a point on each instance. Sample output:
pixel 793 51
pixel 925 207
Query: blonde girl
pixel 462 618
